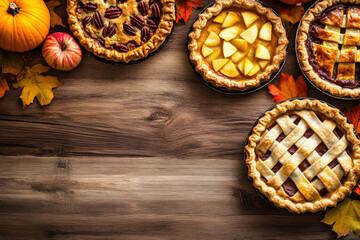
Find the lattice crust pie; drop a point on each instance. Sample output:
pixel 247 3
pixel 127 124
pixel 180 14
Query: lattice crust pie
pixel 237 44
pixel 303 155
pixel 328 46
pixel 121 30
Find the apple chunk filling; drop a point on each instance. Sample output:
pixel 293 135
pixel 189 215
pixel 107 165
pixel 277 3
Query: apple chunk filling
pixel 238 43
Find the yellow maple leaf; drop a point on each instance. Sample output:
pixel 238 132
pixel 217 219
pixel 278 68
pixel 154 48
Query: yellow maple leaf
pixel 36 85
pixel 346 217
pixel 54 18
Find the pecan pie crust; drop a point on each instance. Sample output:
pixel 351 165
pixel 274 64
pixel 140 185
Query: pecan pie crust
pixel 120 30
pixel 313 149
pixel 337 53
pixel 219 80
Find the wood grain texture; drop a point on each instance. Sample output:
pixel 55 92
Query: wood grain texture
pixel 143 151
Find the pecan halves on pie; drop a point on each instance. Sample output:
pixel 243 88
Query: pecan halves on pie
pixel 113 12
pixel 156 11
pixel 98 20
pixel 86 21
pixel 145 34
pixel 137 21
pixel 151 23
pixel 129 29
pixel 90 6
pixel 143 8
pixel 109 30
pixel 121 47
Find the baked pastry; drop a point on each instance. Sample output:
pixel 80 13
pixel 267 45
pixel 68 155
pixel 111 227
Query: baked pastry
pixel 237 44
pixel 327 46
pixel 121 30
pixel 303 156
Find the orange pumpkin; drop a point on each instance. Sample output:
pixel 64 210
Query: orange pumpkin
pixel 24 24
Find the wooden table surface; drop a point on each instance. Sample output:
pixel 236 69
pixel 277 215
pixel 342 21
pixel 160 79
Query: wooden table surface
pixel 143 151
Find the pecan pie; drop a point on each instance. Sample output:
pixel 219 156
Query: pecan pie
pixel 328 46
pixel 303 155
pixel 121 30
pixel 237 44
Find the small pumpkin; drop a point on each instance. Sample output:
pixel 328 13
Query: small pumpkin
pixel 24 24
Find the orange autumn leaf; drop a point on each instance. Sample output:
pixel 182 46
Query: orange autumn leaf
pixel 34 84
pixel 3 85
pixel 287 88
pixel 354 116
pixel 54 18
pixel 345 217
pixel 184 9
pixel 290 14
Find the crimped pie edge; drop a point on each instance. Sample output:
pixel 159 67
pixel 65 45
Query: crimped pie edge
pixel 164 29
pixel 270 192
pixel 303 55
pixel 208 74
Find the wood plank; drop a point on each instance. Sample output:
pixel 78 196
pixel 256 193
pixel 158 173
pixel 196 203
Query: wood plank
pixel 140 198
pixel 142 151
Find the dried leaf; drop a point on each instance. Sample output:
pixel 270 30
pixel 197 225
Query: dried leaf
pixel 287 88
pixel 345 217
pixel 354 116
pixel 290 14
pixel 36 85
pixel 54 18
pixel 3 85
pixel 12 63
pixel 184 9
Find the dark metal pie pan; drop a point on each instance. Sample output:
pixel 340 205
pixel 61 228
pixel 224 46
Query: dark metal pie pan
pixel 297 58
pixel 223 89
pixel 247 170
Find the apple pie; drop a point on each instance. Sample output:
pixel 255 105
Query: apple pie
pixel 328 47
pixel 121 30
pixel 237 44
pixel 303 155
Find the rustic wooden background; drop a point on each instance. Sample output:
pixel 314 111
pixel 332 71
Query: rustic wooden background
pixel 144 151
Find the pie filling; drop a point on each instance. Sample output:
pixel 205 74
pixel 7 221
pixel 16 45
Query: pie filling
pixel 120 25
pixel 302 163
pixel 334 45
pixel 237 44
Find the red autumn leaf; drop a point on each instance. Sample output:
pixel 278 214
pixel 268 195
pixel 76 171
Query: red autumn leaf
pixel 287 88
pixel 294 2
pixel 357 190
pixel 290 14
pixel 184 9
pixel 354 116
pixel 3 85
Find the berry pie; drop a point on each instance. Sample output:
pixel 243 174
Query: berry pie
pixel 237 44
pixel 303 156
pixel 121 30
pixel 328 47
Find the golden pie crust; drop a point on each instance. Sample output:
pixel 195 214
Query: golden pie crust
pixel 164 28
pixel 327 57
pixel 219 80
pixel 338 180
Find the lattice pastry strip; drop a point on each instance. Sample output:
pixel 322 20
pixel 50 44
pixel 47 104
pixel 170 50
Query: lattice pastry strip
pixel 291 162
pixel 341 47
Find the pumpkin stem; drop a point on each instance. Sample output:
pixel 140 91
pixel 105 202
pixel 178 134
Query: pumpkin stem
pixel 13 9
